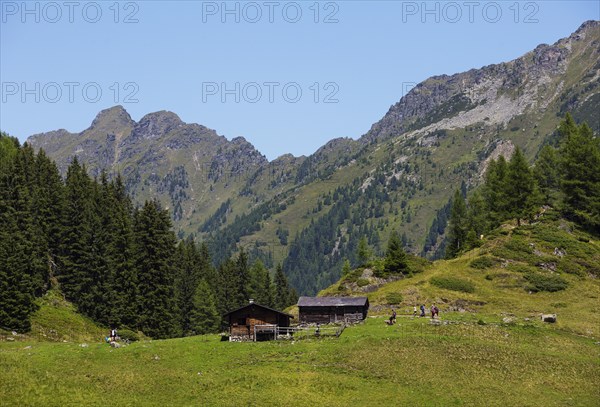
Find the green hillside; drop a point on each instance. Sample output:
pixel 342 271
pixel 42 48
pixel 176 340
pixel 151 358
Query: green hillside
pixel 547 267
pixel 489 349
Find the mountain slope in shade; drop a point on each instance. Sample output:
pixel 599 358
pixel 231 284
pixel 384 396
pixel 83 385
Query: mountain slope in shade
pixel 397 176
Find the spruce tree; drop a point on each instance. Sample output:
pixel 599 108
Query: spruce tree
pixel 284 295
pixel 494 191
pixel 580 168
pixel 521 192
pixel 17 269
pixel 227 290
pixel 477 214
pixel 364 252
pixel 204 317
pixel 457 226
pixel 346 268
pixel 242 271
pixel 546 173
pixel 186 282
pixel 76 251
pixel 123 304
pixel 155 246
pixel 261 287
pixel 395 257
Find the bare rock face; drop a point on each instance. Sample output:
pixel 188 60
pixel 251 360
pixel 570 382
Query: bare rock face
pixel 156 124
pixel 487 93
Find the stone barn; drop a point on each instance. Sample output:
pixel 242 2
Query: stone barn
pixel 325 310
pixel 255 322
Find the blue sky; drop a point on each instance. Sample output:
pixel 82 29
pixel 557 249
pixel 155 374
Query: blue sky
pixel 287 76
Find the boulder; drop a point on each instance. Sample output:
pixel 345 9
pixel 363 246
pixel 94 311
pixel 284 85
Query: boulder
pixel 115 344
pixel 549 318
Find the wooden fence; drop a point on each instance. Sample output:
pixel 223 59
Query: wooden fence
pixel 298 332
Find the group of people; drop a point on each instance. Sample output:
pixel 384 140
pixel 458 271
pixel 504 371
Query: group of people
pixel 435 311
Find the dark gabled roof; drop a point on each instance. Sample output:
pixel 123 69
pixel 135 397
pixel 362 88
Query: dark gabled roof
pixel 332 301
pixel 257 305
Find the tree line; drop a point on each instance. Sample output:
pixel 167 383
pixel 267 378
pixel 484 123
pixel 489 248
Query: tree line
pixel 566 175
pixel 121 265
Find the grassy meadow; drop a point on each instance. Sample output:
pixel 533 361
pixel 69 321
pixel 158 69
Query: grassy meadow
pixel 489 349
pixel 413 363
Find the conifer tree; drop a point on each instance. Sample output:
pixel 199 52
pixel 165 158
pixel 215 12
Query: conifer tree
pixel 346 268
pixel 123 308
pixel 204 317
pixel 242 272
pixel 395 257
pixel 284 295
pixel 17 280
pixel 49 206
pixel 154 257
pixel 364 252
pixel 580 168
pixel 477 213
pixel 457 226
pixel 227 297
pixel 546 173
pixel 494 190
pixel 521 193
pixel 261 287
pixel 77 236
pixel 187 282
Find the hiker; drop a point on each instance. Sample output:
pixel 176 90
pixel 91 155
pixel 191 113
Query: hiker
pixel 437 311
pixel 318 331
pixel 432 311
pixel 393 317
pixel 414 311
pixel 113 335
pixel 422 310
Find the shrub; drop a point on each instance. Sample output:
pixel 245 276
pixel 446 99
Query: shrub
pixel 128 335
pixel 483 262
pixel 453 283
pixel 353 276
pixel 540 282
pixel 570 267
pixel 378 266
pixel 393 298
pixel 522 268
pixel 361 282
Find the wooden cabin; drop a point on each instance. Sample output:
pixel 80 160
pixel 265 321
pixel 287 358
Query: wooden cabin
pixel 255 322
pixel 325 310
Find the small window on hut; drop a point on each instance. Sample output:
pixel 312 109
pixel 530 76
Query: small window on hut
pixel 241 321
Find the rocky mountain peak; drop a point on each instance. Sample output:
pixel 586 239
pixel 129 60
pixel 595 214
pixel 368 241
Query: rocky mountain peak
pixel 158 123
pixel 115 117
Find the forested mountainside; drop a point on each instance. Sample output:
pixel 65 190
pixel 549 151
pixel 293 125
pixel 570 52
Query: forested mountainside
pixel 120 265
pixel 311 212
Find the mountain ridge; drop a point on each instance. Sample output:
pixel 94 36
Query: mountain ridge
pixel 435 139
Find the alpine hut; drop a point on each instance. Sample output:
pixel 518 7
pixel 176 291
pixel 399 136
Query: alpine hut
pixel 325 310
pixel 255 322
